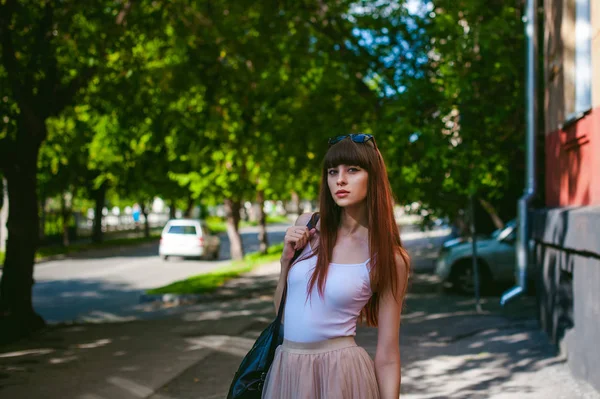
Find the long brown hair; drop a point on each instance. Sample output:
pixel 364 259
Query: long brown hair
pixel 384 235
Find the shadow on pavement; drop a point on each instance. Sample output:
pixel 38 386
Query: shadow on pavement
pixel 71 299
pixel 448 350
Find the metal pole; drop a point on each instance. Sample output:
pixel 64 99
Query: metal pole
pixel 522 246
pixel 3 214
pixel 474 250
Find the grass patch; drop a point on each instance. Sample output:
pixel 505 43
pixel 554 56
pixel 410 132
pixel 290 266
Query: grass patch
pixel 1 258
pixel 217 225
pixel 205 283
pixel 270 220
pixel 111 243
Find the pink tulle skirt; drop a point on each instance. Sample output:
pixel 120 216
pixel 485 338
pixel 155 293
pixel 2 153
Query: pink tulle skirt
pixel 335 368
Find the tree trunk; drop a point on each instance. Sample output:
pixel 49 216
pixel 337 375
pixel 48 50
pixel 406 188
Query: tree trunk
pixel 232 216
pixel 3 213
pixel 100 198
pixel 489 208
pixel 262 226
pixel 295 203
pixel 146 222
pixel 2 186
pixel 17 317
pixel 42 220
pixel 172 210
pixel 190 207
pixel 65 213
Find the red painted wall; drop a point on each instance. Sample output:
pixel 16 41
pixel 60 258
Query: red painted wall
pixel 573 163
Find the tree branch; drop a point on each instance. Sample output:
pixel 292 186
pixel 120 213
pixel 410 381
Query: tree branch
pixel 122 16
pixel 63 96
pixel 9 58
pixel 336 38
pixel 45 55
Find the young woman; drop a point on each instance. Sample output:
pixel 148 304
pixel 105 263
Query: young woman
pixel 352 267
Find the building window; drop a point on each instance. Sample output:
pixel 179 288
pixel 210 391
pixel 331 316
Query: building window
pixel 583 59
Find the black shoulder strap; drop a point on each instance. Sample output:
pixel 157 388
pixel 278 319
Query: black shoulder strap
pixel 312 223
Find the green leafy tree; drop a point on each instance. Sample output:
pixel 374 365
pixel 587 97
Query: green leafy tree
pixel 62 159
pixel 50 50
pixel 286 79
pixel 460 114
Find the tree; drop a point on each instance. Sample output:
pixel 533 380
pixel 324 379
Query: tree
pixel 286 78
pixel 42 71
pixel 460 115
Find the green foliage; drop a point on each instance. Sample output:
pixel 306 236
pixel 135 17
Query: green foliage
pixel 463 109
pixel 199 101
pixel 205 102
pixel 216 224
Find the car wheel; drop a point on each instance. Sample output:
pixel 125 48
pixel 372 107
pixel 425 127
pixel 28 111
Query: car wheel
pixel 463 281
pixel 216 253
pixel 164 257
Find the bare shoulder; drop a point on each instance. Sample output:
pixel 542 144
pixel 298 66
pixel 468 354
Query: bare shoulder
pixel 303 219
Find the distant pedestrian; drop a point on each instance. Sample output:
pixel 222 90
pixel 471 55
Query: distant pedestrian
pixel 352 267
pixel 137 210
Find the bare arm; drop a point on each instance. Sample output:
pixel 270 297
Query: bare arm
pixel 296 237
pixel 387 356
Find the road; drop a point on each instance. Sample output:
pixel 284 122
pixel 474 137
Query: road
pixel 106 286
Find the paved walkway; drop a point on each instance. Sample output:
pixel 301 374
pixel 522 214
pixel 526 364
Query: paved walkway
pixel 448 350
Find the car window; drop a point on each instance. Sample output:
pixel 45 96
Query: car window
pixel 186 230
pixel 512 236
pixel 500 234
pixel 508 234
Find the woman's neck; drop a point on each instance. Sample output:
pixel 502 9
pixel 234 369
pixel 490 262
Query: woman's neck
pixel 354 220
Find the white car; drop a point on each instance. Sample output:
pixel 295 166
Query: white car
pixel 188 238
pixel 496 254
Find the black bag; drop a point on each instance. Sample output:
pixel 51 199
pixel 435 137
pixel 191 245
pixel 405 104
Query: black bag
pixel 249 379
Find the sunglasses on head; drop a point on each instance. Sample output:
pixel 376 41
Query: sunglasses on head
pixel 357 138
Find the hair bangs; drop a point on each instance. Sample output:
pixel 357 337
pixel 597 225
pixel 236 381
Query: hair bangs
pixel 347 152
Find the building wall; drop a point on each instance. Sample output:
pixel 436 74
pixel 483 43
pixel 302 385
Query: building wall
pixel 570 148
pixel 567 232
pixel 567 279
pixel 596 53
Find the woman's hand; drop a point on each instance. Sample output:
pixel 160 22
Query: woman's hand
pixel 296 237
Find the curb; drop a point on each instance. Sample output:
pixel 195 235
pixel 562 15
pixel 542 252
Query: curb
pixel 170 299
pixel 192 299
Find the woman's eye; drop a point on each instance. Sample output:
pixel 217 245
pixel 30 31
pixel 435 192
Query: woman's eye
pixel 353 169
pixel 332 172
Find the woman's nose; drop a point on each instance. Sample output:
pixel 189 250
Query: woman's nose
pixel 341 178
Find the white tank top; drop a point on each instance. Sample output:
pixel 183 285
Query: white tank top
pixel 347 291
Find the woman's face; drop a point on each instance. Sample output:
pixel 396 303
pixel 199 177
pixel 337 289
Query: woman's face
pixel 347 184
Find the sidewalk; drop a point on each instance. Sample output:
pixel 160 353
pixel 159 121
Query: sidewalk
pixel 448 351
